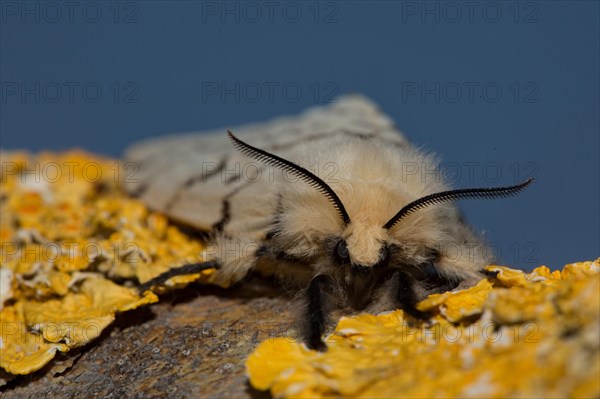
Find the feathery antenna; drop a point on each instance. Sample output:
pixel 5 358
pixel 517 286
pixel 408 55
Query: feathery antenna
pixel 452 195
pixel 299 171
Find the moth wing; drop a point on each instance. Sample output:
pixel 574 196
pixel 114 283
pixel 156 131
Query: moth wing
pixel 199 179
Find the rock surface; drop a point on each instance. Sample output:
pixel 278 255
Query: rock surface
pixel 192 344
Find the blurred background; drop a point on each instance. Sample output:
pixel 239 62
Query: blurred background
pixel 501 90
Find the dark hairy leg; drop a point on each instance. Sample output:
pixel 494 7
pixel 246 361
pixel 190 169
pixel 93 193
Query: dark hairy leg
pixel 177 271
pixel 316 311
pixel 401 288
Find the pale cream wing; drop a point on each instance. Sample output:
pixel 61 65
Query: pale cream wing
pixel 199 179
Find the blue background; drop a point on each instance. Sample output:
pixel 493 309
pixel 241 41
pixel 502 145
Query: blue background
pixel 161 67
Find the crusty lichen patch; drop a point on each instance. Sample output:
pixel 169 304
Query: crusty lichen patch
pixel 73 249
pixel 516 335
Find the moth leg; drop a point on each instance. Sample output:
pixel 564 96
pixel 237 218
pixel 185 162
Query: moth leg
pixel 177 271
pixel 406 294
pixel 316 312
pixel 476 278
pixel 399 290
pixel 489 273
pixel 232 259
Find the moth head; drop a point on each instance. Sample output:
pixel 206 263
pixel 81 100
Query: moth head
pixel 361 249
pixel 364 239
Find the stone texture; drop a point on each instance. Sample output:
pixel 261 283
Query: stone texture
pixel 192 344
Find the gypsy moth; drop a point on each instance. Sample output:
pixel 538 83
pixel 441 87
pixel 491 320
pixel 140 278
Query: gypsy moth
pixel 342 220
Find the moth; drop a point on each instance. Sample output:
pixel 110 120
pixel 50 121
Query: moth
pixel 335 202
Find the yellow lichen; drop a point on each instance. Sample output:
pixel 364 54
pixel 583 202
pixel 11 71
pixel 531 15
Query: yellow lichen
pixel 66 231
pixel 80 317
pixel 537 335
pixel 455 306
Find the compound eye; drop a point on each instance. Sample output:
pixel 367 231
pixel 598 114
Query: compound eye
pixel 340 253
pixel 384 257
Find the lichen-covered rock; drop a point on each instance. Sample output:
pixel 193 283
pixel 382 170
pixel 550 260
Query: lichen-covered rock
pixel 515 335
pixel 73 249
pixel 66 231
